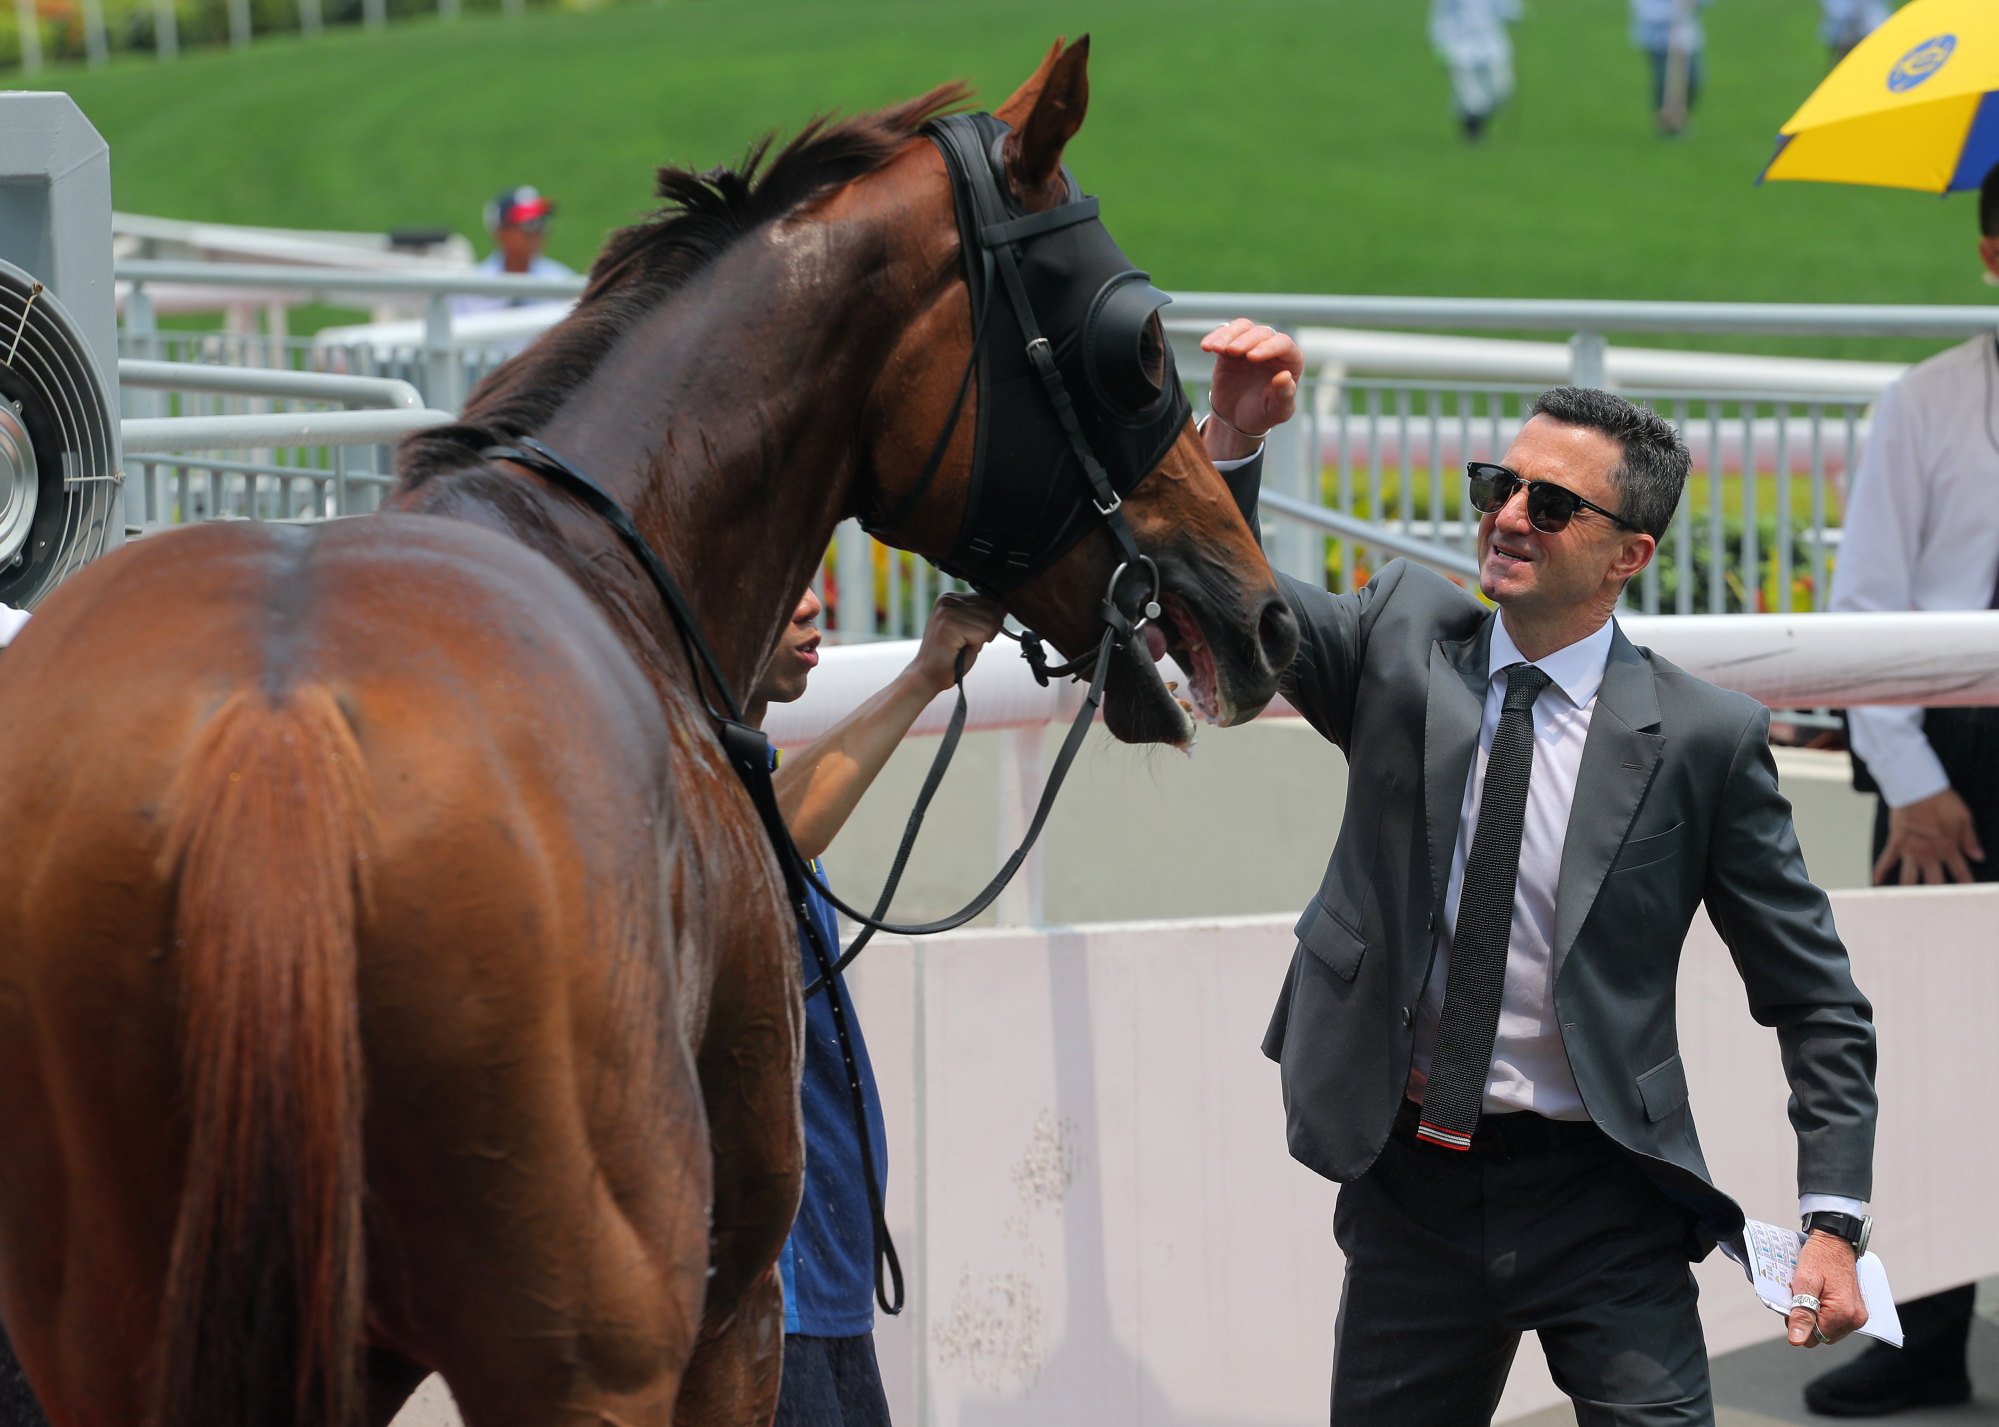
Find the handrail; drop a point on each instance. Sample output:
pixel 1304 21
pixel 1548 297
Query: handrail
pixel 215 379
pixel 292 278
pixel 1358 310
pixel 1437 557
pixel 1761 319
pixel 164 434
pixel 1782 660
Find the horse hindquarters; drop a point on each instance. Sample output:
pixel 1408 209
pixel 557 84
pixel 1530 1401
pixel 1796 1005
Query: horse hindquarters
pixel 261 1318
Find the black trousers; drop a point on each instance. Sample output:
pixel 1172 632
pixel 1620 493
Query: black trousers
pixel 1452 1256
pixel 18 1407
pixel 1937 1328
pixel 830 1382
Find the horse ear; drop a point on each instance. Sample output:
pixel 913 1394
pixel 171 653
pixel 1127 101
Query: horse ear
pixel 1014 112
pixel 1055 99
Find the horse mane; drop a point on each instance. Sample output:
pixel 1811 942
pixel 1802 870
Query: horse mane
pixel 701 217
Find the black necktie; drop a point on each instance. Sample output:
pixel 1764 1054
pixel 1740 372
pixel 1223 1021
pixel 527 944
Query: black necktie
pixel 1463 1053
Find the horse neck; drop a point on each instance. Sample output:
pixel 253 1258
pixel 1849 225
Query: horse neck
pixel 729 423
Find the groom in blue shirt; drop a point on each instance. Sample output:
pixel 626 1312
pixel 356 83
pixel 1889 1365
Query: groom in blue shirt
pixel 827 1265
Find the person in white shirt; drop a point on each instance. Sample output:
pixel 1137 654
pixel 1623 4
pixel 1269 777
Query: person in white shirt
pixel 11 621
pixel 1470 37
pixel 518 220
pixel 1670 35
pixel 1921 532
pixel 1845 23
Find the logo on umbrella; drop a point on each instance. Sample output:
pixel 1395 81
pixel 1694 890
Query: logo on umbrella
pixel 1920 63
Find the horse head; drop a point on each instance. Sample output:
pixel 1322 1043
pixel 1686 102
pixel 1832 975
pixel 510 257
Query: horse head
pixel 1014 467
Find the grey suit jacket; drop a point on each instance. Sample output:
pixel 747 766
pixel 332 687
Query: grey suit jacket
pixel 1676 805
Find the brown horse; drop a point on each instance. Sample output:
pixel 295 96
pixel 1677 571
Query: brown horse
pixel 394 977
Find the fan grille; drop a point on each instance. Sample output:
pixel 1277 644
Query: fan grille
pixel 58 444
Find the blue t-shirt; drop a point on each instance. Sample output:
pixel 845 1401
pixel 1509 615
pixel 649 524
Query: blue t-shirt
pixel 828 1263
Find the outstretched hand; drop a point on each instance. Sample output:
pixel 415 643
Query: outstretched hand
pixel 1255 386
pixel 958 622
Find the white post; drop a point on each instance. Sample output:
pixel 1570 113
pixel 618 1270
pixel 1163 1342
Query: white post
pixel 441 364
pixel 166 30
pixel 1587 359
pixel 1024 902
pixel 31 35
pixel 239 24
pixel 311 20
pixel 1288 467
pixel 854 574
pixel 96 44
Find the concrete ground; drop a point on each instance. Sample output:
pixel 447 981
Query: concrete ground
pixel 1760 1387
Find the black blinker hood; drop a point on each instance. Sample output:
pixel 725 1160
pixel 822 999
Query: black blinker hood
pixel 1069 421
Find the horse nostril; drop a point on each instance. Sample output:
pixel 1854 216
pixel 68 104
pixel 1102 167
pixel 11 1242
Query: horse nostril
pixel 1276 635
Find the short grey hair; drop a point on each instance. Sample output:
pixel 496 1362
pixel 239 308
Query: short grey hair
pixel 1653 473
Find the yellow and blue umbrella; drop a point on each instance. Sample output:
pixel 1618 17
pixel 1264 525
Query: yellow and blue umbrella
pixel 1915 105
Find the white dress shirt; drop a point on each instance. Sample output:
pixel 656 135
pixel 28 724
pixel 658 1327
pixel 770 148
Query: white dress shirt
pixel 11 620
pixel 1530 1069
pixel 1921 532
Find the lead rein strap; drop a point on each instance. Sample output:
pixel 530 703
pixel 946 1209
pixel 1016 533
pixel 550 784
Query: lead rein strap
pixel 888 1264
pixel 946 746
pixel 1071 745
pixel 532 454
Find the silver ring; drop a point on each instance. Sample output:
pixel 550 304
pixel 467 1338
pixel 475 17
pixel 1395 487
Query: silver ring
pixel 1807 1302
pixel 1819 1333
pixel 1149 611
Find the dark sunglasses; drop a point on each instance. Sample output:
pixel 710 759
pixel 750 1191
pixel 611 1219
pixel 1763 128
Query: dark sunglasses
pixel 1550 507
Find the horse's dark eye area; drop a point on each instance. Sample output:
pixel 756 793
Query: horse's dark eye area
pixel 1152 352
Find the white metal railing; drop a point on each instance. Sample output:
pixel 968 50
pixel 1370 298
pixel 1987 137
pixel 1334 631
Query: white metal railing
pixel 1786 661
pixel 1369 470
pixel 299 462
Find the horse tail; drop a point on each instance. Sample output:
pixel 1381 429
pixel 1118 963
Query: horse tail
pixel 269 828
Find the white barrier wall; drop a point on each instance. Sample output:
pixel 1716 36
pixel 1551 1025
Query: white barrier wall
pixel 1101 1225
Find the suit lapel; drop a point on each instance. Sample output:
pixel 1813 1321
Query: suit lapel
pixel 1620 757
pixel 1452 711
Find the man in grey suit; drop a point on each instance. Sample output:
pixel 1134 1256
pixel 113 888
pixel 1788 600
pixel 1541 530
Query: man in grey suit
pixel 1477 1031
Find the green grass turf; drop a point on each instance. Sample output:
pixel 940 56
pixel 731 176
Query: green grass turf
pixel 1250 146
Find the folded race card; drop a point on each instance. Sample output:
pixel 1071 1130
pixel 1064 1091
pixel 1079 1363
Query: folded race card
pixel 1769 1256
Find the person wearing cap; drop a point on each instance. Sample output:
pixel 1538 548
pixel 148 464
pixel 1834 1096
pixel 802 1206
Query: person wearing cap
pixel 1921 532
pixel 518 220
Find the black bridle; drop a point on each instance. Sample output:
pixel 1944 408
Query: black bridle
pixel 1061 251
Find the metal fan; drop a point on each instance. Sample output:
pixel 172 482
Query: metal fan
pixel 58 443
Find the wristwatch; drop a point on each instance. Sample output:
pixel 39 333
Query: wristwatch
pixel 1853 1228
